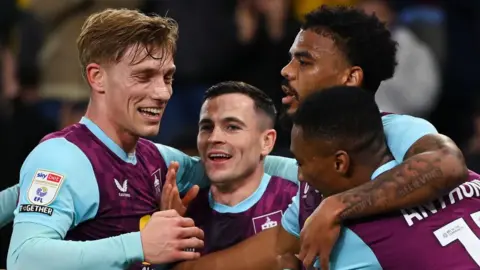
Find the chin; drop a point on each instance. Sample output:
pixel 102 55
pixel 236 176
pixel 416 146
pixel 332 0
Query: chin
pixel 218 178
pixel 150 131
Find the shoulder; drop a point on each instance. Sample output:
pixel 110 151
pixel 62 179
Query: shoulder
pixel 405 121
pixel 56 150
pixel 284 186
pixel 56 158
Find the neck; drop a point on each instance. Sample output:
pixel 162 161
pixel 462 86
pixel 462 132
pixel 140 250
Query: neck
pixel 238 190
pixel 99 116
pixel 363 172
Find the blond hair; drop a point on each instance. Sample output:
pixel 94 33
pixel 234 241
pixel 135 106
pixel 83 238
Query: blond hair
pixel 107 35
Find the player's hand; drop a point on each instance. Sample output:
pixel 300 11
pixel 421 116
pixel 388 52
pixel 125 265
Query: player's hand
pixel 166 237
pixel 320 233
pixel 170 194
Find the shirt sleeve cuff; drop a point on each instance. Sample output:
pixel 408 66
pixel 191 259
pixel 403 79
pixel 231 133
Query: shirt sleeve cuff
pixel 132 244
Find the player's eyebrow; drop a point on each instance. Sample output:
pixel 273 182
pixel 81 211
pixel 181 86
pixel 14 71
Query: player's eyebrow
pixel 205 121
pixel 233 119
pixel 301 54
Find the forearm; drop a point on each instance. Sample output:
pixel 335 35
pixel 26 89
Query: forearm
pixel 423 176
pixel 8 202
pixel 257 252
pixel 43 250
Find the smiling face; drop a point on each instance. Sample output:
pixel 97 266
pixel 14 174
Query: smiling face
pixel 316 63
pixel 135 93
pixel 232 138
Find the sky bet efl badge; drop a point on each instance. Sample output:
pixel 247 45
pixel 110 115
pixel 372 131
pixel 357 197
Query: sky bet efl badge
pixel 44 187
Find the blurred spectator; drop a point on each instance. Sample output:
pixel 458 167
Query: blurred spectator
pixel 415 86
pixel 456 108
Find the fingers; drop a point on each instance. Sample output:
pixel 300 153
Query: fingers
pixel 325 259
pixel 309 259
pixel 190 243
pixel 171 177
pixel 190 232
pixel 165 198
pixel 166 214
pixel 186 255
pixel 191 194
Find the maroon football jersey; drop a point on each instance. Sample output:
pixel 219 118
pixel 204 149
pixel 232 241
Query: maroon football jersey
pixel 119 212
pixel 223 230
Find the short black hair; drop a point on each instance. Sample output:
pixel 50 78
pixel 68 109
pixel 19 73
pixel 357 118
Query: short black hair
pixel 364 40
pixel 344 115
pixel 262 101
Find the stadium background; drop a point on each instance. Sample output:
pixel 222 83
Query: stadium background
pixel 41 88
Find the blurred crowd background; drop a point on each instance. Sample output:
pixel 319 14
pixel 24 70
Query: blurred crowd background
pixel 42 90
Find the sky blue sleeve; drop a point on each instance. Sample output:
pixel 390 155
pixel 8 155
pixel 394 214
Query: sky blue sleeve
pixel 35 246
pixel 58 190
pixel 402 131
pixel 71 198
pixel 290 217
pixel 282 167
pixel 191 171
pixel 351 252
pixel 8 203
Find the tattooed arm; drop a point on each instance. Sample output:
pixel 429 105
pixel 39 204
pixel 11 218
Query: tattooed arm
pixel 433 165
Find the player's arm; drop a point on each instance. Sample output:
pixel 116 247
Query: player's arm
pixel 48 209
pixel 261 251
pixel 432 164
pixel 8 202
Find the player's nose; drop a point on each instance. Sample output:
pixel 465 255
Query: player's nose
pixel 287 72
pixel 161 91
pixel 216 136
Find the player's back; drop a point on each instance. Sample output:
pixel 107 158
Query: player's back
pixel 443 234
pixel 225 226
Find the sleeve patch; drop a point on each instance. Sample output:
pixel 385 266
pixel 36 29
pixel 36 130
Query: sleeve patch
pixel 32 208
pixel 44 187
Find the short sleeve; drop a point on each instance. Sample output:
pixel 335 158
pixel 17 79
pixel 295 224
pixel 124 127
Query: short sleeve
pixel 58 188
pixel 191 171
pixel 282 167
pixel 290 219
pixel 402 131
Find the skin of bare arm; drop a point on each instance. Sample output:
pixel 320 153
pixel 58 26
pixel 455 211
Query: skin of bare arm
pixel 432 166
pixel 258 252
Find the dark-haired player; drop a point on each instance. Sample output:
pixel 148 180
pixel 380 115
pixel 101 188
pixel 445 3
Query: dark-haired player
pixel 344 46
pixel 339 143
pixel 234 137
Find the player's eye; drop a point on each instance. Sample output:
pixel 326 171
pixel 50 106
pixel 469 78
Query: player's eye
pixel 169 79
pixel 205 128
pixel 299 164
pixel 143 78
pixel 233 127
pixel 302 63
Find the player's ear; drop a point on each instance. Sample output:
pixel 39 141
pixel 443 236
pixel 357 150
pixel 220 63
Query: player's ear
pixel 268 141
pixel 95 76
pixel 353 77
pixel 341 162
